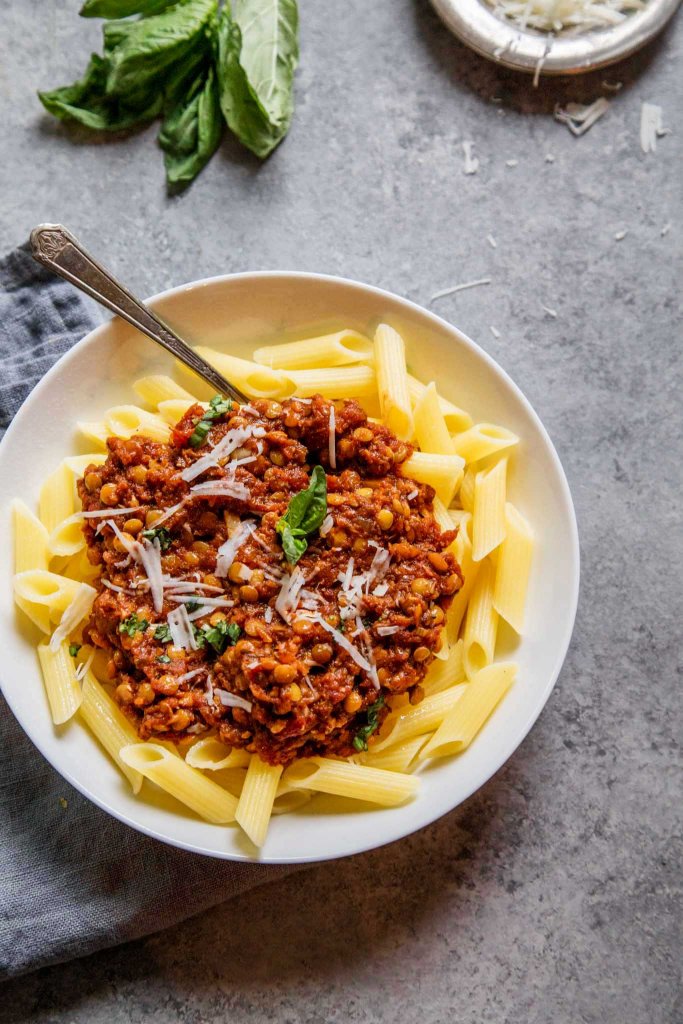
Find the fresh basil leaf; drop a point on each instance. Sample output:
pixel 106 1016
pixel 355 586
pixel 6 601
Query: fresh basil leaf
pixel 293 545
pixel 270 53
pixel 139 51
pixel 218 406
pixel 163 633
pixel 86 102
pixel 191 132
pixel 304 515
pixel 360 740
pixel 258 112
pixel 180 77
pixel 133 625
pixel 122 8
pixel 221 635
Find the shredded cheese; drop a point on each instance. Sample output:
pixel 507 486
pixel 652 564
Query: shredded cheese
pixel 651 127
pixel 225 447
pixel 387 630
pixel 73 614
pixel 226 487
pixel 326 525
pixel 104 512
pixel 287 599
pixel 345 644
pixel 228 550
pixel 232 700
pixel 181 629
pixel 460 288
pixel 471 164
pixel 578 117
pixel 569 17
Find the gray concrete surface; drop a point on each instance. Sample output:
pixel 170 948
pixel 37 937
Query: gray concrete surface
pixel 554 895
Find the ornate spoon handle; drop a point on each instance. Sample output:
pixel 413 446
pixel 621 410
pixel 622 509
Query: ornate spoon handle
pixel 58 250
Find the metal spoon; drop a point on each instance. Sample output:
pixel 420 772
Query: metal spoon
pixel 58 250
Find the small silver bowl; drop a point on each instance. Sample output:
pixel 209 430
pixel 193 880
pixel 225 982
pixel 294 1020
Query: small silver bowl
pixel 538 52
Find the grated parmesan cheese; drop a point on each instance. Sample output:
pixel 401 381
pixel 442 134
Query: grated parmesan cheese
pixel 228 550
pixel 579 117
pixel 569 17
pixel 495 332
pixel 74 613
pixel 460 288
pixel 288 597
pixel 651 127
pixel 347 646
pixel 232 700
pixel 620 235
pixel 181 629
pixel 234 439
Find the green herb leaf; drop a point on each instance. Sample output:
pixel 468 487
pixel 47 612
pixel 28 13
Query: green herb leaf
pixel 360 740
pixel 133 625
pixel 74 649
pixel 304 515
pixel 219 636
pixel 122 8
pixel 192 605
pixel 191 132
pixel 218 406
pixel 161 534
pixel 164 659
pixel 138 51
pixel 163 633
pixel 257 55
pixel 87 101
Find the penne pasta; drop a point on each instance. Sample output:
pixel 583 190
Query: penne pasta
pixel 360 782
pixel 48 589
pixel 109 725
pixel 461 725
pixel 288 800
pixel 466 492
pixel 398 758
pixel 443 518
pixel 79 463
pixel 488 515
pixel 67 538
pixel 463 553
pixel 61 686
pixel 174 409
pixel 38 614
pixel 481 623
pixel 442 675
pixel 130 420
pixel 456 419
pixel 56 501
pixel 337 349
pixel 442 472
pixel 256 799
pixel 481 440
pixel 210 754
pixel 513 569
pixel 337 382
pixel 255 380
pixel 203 796
pixel 416 720
pixel 160 388
pixel 30 539
pixel 392 381
pixel 431 431
pixel 94 430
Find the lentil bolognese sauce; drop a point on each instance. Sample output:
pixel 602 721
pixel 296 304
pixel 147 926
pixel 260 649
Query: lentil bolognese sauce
pixel 226 603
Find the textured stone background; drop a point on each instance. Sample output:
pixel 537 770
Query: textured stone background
pixel 554 894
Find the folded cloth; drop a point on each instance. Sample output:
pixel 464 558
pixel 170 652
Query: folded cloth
pixel 72 879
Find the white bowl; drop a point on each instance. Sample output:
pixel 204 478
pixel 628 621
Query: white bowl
pixel 237 313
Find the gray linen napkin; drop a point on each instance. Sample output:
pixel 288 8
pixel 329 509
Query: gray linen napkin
pixel 72 879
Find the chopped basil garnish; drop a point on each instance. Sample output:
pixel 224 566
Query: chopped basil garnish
pixel 164 659
pixel 74 649
pixel 163 633
pixel 133 625
pixel 192 605
pixel 220 636
pixel 218 406
pixel 360 740
pixel 161 534
pixel 304 515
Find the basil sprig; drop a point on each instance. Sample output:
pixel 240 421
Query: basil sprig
pixel 199 64
pixel 360 740
pixel 161 534
pixel 133 625
pixel 304 516
pixel 218 407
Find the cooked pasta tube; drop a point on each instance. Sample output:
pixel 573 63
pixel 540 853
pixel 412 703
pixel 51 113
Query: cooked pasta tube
pixel 174 409
pixel 466 492
pixel 481 624
pixel 398 758
pixel 30 539
pixel 456 419
pixel 463 722
pixel 431 431
pixel 410 721
pixel 336 382
pixel 203 796
pixel 56 500
pixel 210 754
pixel 67 538
pixel 392 381
pixel 481 440
pixel 159 388
pixel 469 568
pixel 287 800
pixel 37 586
pixel 513 569
pixel 442 472
pixel 253 379
pixel 359 782
pixel 61 686
pixel 441 675
pixel 337 349
pixel 109 725
pixel 256 799
pixel 130 421
pixel 79 463
pixel 94 430
pixel 488 515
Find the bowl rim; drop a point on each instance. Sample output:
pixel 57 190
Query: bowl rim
pixel 505 751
